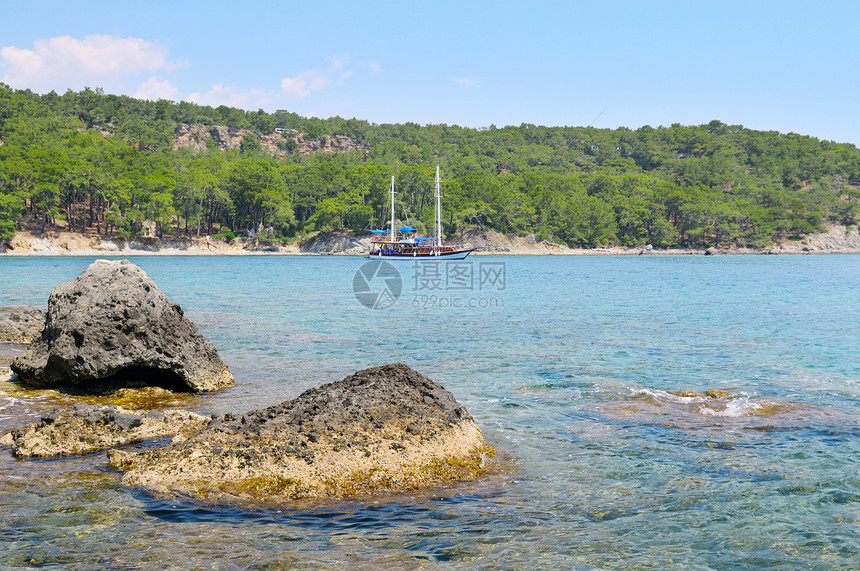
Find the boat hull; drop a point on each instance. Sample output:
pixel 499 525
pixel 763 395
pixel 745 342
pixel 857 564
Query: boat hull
pixel 457 255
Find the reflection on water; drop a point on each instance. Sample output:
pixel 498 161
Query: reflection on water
pixel 583 376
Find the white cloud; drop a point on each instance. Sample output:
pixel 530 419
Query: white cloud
pixel 296 86
pixel 154 89
pixel 306 82
pixel 468 82
pixel 337 62
pixel 65 62
pixel 231 97
pixel 339 70
pixel 317 80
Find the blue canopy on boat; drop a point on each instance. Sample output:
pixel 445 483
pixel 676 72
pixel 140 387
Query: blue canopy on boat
pixel 423 239
pixel 407 229
pixel 379 231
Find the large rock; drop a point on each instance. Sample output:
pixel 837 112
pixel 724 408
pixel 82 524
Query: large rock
pixel 21 325
pixel 111 326
pixel 386 428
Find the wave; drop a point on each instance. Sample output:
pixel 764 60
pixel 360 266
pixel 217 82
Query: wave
pixel 740 406
pixel 712 403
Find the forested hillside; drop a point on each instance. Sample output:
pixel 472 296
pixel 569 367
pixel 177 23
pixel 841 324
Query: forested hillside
pixel 117 166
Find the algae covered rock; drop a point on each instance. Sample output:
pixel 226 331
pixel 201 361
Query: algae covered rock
pixel 385 428
pixel 86 428
pixel 112 326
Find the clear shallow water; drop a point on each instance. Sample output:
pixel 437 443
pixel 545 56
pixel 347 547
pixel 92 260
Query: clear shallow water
pixel 571 370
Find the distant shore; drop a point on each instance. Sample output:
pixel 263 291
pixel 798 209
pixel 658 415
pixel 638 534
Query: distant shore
pixel 835 240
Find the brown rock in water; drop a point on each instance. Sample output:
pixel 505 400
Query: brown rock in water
pixel 713 393
pixel 718 394
pixel 86 428
pixel 21 325
pixel 110 327
pixel 387 428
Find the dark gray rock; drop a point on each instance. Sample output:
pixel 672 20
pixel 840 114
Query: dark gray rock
pixel 111 327
pixel 21 325
pixel 127 421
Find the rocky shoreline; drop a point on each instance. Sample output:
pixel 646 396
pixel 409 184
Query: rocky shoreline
pixel 110 334
pixel 834 240
pixel 378 431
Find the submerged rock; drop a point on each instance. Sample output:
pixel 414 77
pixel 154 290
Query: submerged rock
pixel 386 428
pixel 712 393
pixel 86 428
pixel 21 325
pixel 111 326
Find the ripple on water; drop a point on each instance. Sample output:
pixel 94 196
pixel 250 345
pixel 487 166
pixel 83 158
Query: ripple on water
pixel 609 478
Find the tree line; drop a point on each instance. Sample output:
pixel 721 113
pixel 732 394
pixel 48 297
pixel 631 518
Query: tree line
pixel 93 162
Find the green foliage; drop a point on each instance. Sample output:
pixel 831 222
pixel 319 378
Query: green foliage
pixel 96 162
pixel 251 145
pixel 226 235
pixel 10 210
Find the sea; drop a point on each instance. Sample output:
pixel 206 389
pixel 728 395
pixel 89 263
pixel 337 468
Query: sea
pixel 649 412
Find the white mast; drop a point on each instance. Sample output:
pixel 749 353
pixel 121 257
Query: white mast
pixel 392 208
pixel 438 211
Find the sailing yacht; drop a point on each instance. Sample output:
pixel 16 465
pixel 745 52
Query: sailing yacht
pixel 409 247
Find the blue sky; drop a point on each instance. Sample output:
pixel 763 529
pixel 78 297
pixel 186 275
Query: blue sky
pixel 785 65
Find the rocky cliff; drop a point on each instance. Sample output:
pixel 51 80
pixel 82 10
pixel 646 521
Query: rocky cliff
pixel 282 143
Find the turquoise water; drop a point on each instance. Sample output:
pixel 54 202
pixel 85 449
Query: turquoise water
pixel 571 369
